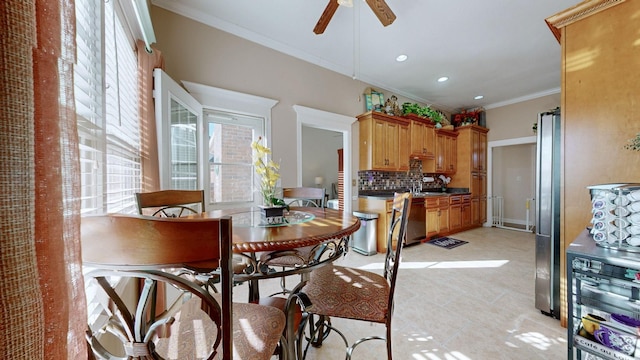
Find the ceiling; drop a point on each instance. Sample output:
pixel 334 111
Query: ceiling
pixel 501 49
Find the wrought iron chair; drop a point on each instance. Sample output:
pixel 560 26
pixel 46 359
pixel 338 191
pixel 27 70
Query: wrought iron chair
pixel 337 291
pixel 304 196
pixel 179 203
pixel 185 321
pixel 295 196
pixel 170 203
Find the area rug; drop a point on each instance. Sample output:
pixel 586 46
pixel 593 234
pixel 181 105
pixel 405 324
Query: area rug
pixel 447 242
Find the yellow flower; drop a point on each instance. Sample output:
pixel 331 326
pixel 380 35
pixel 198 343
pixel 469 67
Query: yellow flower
pixel 268 171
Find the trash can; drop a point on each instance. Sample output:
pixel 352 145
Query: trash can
pixel 364 240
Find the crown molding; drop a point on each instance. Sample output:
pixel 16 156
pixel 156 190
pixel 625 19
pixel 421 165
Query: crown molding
pixel 582 10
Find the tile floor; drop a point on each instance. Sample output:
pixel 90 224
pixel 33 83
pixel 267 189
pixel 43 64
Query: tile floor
pixel 471 302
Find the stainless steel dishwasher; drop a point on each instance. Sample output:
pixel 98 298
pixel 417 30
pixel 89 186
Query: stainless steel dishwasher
pixel 416 226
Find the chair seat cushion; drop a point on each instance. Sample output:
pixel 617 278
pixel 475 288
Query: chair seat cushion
pixel 256 332
pixel 348 293
pixel 289 258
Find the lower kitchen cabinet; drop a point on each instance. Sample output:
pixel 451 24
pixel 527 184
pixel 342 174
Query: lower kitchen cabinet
pixel 465 210
pixel 603 301
pixel 455 212
pixel 437 217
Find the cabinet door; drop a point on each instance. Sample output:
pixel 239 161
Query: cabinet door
pixel 475 185
pixel 403 147
pixel 466 214
pixel 475 150
pixel 432 222
pixel 418 139
pixel 455 217
pixel 475 211
pixel 430 140
pixel 441 149
pixel 452 154
pixel 482 152
pixel 391 145
pixel 482 184
pixel 443 220
pixel 483 209
pixel 379 144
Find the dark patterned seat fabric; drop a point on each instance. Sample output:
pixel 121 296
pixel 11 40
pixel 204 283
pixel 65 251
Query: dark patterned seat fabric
pixel 349 293
pixel 256 332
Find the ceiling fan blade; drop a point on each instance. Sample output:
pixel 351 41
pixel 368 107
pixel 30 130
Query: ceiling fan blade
pixel 382 11
pixel 326 16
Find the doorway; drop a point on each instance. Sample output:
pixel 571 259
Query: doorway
pixel 320 159
pixel 334 123
pixel 511 179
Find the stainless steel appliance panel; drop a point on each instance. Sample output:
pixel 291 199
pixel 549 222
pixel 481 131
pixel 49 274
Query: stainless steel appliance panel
pixel 416 224
pixel 547 276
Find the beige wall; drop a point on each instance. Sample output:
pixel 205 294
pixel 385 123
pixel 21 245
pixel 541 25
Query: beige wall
pixel 198 53
pixel 516 120
pixel 510 163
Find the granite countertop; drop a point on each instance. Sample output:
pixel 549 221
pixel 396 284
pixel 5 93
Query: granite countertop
pixel 388 194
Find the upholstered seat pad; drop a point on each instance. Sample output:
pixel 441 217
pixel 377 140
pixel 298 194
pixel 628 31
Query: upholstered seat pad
pixel 348 293
pixel 291 258
pixel 256 332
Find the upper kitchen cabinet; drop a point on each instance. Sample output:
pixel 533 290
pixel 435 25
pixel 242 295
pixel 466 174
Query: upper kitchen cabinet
pixel 472 169
pixel 384 142
pixel 446 152
pixel 423 138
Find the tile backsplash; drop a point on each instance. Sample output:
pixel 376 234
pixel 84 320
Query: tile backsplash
pixel 393 180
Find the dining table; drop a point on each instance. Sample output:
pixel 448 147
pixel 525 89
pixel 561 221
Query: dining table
pixel 309 237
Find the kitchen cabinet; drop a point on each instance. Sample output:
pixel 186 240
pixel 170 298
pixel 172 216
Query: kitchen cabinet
pixel 423 139
pixel 472 169
pixel 384 142
pixel 455 212
pixel 602 283
pixel 446 152
pixel 383 208
pixel 465 211
pixel 437 216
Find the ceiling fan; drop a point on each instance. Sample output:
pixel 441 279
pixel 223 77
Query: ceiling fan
pixel 379 7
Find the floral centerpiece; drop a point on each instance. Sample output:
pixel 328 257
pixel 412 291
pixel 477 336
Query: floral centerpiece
pixel 467 117
pixel 268 172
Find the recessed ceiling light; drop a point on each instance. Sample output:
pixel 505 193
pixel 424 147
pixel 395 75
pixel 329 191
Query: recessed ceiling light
pixel 401 58
pixel 443 79
pixel 478 97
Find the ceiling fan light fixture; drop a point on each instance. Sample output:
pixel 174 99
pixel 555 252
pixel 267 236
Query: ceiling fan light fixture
pixel 347 3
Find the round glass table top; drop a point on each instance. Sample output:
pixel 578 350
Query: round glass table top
pixel 253 218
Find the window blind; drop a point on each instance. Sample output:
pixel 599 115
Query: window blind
pixel 107 109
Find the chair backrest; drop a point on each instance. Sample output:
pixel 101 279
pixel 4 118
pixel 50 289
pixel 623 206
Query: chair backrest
pixel 171 203
pixel 396 236
pixel 304 196
pixel 139 247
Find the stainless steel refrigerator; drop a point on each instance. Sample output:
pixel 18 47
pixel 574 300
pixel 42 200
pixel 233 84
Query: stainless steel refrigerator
pixel 547 200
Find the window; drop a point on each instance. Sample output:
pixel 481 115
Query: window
pixel 107 109
pixel 230 164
